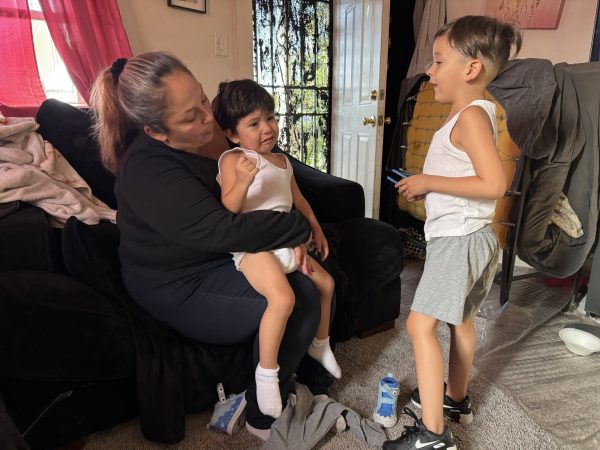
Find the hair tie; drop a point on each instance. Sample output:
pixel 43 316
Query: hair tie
pixel 117 68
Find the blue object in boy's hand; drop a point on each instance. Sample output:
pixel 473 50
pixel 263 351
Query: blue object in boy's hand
pixel 401 173
pixel 391 180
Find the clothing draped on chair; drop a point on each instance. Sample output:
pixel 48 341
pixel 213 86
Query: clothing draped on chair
pixel 428 17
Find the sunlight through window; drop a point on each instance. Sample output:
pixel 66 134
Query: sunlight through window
pixel 53 72
pixel 292 60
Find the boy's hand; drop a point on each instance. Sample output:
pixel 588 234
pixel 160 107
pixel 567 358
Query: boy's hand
pixel 413 187
pixel 245 170
pixel 321 244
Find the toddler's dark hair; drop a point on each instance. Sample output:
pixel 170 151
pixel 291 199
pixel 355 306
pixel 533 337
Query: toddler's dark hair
pixel 236 99
pixel 483 37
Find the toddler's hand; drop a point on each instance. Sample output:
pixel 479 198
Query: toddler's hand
pixel 245 170
pixel 321 244
pixel 302 259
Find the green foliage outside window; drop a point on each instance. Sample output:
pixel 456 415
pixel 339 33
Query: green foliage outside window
pixel 292 60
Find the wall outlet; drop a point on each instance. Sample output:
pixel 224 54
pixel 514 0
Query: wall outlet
pixel 221 43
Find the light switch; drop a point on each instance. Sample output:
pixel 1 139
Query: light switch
pixel 221 43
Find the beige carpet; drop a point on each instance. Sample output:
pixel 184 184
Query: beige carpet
pixel 558 389
pixel 533 371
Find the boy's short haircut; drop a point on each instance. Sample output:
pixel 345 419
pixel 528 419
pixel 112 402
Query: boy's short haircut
pixel 483 37
pixel 236 99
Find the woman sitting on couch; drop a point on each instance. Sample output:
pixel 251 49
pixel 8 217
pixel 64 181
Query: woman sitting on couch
pixel 153 122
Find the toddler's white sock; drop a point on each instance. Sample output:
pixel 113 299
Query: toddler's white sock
pixel 267 391
pixel 320 350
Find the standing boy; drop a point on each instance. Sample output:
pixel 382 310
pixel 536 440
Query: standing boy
pixel 462 178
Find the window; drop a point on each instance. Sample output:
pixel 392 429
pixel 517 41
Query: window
pixel 53 73
pixel 292 60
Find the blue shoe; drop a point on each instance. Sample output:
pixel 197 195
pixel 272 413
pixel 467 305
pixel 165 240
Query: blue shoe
pixel 227 411
pixel 385 411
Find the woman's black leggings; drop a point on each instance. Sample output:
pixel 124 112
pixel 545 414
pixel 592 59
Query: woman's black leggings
pixel 218 306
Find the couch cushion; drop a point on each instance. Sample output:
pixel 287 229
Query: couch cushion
pixel 27 242
pixel 54 328
pixel 90 254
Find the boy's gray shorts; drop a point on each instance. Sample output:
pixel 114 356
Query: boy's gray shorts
pixel 458 274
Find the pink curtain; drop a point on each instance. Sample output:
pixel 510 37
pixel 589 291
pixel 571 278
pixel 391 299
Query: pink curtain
pixel 88 34
pixel 21 90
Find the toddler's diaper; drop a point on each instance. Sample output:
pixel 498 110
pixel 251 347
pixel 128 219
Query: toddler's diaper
pixel 285 256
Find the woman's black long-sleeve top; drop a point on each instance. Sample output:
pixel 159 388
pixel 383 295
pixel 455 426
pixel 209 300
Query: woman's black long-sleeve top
pixel 171 221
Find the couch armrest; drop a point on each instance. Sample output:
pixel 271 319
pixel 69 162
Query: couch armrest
pixel 69 130
pixel 333 199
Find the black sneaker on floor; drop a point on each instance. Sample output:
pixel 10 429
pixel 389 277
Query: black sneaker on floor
pixel 460 412
pixel 418 437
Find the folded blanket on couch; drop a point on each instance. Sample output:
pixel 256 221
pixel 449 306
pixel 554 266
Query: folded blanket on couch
pixel 33 171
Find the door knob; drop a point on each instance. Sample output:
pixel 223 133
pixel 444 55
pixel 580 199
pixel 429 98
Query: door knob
pixel 369 121
pixel 387 120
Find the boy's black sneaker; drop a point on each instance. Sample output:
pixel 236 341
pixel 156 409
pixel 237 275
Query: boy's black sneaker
pixel 418 437
pixel 460 412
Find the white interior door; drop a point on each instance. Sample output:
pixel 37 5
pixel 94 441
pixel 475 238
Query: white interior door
pixel 360 32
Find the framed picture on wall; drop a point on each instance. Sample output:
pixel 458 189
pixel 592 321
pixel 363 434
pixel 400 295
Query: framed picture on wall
pixel 198 6
pixel 540 14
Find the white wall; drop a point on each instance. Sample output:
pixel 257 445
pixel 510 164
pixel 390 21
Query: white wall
pixel 151 25
pixel 571 42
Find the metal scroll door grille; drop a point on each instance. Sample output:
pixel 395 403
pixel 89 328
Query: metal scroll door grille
pixel 292 60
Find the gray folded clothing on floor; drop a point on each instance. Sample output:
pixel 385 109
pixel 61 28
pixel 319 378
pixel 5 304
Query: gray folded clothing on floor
pixel 303 423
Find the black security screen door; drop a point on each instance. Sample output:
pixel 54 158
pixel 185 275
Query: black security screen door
pixel 292 60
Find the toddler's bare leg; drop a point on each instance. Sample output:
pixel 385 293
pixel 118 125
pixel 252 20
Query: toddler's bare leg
pixel 325 284
pixel 264 273
pixel 320 348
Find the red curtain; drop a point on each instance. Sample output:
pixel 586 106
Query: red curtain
pixel 21 90
pixel 88 34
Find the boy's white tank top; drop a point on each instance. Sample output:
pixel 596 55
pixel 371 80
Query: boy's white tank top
pixel 271 188
pixel 448 215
